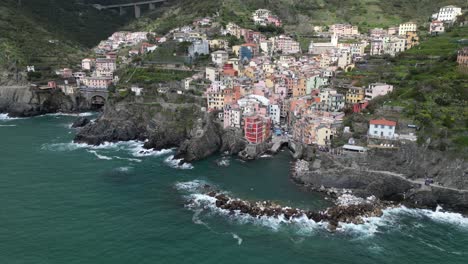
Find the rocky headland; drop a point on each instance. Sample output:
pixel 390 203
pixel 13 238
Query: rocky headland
pixel 163 121
pixel 393 175
pixel 23 100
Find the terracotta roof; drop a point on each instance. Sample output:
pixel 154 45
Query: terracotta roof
pixel 383 121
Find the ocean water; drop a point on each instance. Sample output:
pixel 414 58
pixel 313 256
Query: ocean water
pixel 71 203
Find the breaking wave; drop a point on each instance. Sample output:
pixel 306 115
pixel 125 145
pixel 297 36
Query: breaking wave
pixel 102 157
pixel 134 147
pixel 6 117
pixel 177 163
pixel 223 162
pixel 71 114
pixel 390 220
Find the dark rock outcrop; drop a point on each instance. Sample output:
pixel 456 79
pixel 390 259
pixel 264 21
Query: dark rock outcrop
pixel 396 175
pixel 80 122
pixel 166 122
pixel 24 101
pixel 340 213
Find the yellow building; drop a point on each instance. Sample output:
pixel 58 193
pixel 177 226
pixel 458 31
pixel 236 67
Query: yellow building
pixel 269 83
pixel 218 44
pixel 300 88
pixel 355 95
pixel 412 39
pixel 215 100
pixel 235 50
pixel 249 72
pixel 324 135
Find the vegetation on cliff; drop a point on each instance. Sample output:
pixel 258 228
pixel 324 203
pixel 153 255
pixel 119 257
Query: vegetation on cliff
pixel 430 87
pixel 298 15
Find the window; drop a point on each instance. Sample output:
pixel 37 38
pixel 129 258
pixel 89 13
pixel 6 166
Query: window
pixel 375 132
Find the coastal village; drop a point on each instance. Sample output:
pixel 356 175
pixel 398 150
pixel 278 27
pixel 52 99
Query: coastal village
pixel 266 86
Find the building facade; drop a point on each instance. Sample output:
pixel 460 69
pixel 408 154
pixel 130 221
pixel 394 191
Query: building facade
pixel 382 128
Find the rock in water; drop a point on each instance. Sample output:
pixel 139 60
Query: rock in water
pixel 80 122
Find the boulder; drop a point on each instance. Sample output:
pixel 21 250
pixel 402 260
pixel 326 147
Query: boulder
pixel 80 122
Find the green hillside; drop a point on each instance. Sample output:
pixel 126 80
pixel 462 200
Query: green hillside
pixel 50 32
pixel 430 86
pixel 298 15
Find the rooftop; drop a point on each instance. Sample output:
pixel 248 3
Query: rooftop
pixel 383 122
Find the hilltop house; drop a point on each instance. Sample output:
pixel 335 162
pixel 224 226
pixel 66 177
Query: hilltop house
pixel 344 30
pixel 378 89
pixel 407 27
pixel 436 27
pixel 382 128
pixel 447 13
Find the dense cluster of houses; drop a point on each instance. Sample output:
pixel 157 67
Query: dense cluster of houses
pixel 265 86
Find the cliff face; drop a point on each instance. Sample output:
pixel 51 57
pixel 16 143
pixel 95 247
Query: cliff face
pixel 163 121
pixel 23 101
pixel 393 175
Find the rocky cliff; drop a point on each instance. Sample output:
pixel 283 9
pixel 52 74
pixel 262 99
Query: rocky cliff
pixel 163 121
pixel 396 175
pixel 23 101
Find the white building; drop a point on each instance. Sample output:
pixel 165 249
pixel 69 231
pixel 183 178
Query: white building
pixel 219 57
pixel 378 89
pixel 87 64
pixel 137 90
pixel 212 74
pixel 324 47
pixel 407 27
pixel 275 113
pixel 437 27
pixel 448 13
pixel 382 128
pixel 187 82
pixel 199 47
pixel 232 116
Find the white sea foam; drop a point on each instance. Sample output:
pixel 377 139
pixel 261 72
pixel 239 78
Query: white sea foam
pixel 176 163
pixel 6 117
pixel 129 159
pixel 71 114
pixel 264 156
pixel 134 147
pixel 223 162
pixel 102 157
pixel 124 169
pixel 7 125
pixel 238 238
pixel 390 220
pixel 190 186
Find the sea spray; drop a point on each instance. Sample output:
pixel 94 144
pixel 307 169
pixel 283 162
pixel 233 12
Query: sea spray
pixel 178 163
pixel 102 157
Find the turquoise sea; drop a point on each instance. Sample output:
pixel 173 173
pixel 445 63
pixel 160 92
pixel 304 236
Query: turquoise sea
pixel 67 203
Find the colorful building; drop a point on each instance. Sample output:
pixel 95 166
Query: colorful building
pixel 257 129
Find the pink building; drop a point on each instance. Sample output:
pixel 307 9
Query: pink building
pixel 97 82
pixel 378 89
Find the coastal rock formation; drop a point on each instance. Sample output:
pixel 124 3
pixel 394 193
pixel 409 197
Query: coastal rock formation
pixel 391 175
pixel 162 121
pixel 352 212
pixel 24 101
pixel 80 122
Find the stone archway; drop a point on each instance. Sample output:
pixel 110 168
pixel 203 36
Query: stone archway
pixel 97 101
